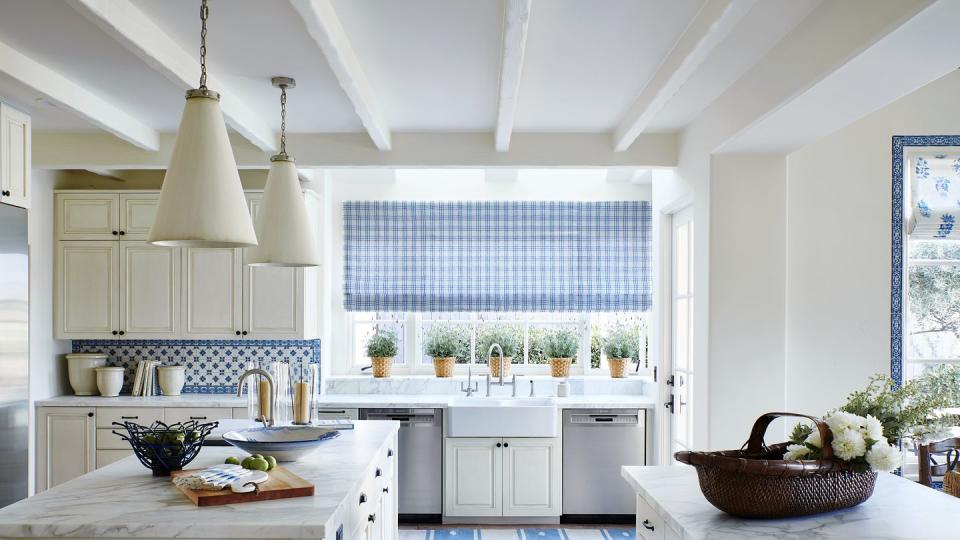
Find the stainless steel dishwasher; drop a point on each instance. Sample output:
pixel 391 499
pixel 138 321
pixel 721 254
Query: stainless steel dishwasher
pixel 420 460
pixel 596 443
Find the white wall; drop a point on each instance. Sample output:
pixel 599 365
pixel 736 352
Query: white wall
pixel 747 293
pixel 446 185
pixel 47 365
pixel 839 212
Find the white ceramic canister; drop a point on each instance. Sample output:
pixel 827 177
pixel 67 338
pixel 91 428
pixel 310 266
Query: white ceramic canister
pixel 80 370
pixel 563 389
pixel 171 379
pixel 110 380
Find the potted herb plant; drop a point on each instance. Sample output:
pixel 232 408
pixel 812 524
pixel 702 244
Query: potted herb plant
pixel 382 348
pixel 561 347
pixel 510 339
pixel 621 345
pixel 445 343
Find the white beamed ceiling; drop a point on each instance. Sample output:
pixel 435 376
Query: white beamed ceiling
pixel 408 67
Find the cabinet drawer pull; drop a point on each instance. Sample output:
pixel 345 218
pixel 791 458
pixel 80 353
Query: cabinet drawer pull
pixel 389 452
pixel 646 525
pixel 371 518
pixel 386 490
pixel 363 498
pixel 198 417
pixel 129 417
pixel 5 193
pixel 378 473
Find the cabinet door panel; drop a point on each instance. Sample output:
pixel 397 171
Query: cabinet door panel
pixel 473 477
pixel 149 290
pixel 273 302
pixel 15 158
pixel 87 216
pixel 531 477
pixel 66 445
pixel 212 292
pixel 137 212
pixel 87 287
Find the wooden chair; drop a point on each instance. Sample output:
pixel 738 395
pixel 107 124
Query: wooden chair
pixel 948 450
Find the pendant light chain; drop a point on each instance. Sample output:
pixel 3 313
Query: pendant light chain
pixel 283 120
pixel 204 13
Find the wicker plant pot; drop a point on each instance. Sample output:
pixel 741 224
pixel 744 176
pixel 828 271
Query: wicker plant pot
pixel 443 367
pixel 495 366
pixel 382 366
pixel 618 367
pixel 560 367
pixel 758 483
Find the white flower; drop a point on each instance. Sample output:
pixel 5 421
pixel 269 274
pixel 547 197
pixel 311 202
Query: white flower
pixel 874 428
pixel 796 451
pixel 848 444
pixel 840 421
pixel 883 457
pixel 814 439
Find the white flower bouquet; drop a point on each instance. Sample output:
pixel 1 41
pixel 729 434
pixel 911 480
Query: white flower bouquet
pixel 857 440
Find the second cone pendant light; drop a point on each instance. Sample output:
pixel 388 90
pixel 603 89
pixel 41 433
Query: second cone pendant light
pixel 283 228
pixel 201 200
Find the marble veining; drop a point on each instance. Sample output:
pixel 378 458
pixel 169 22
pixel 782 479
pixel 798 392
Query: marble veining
pixel 898 510
pixel 122 500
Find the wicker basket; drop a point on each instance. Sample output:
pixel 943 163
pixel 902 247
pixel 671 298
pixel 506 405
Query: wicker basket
pixel 757 482
pixel 382 366
pixel 495 366
pixel 560 367
pixel 618 367
pixel 443 367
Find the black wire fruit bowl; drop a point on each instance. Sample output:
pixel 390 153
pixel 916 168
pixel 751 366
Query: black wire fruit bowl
pixel 163 448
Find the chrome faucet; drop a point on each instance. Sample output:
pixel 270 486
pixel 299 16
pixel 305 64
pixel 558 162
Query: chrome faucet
pixel 471 388
pixel 513 380
pixel 267 419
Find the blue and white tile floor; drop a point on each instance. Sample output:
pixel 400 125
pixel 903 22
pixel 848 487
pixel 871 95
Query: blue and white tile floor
pixel 519 534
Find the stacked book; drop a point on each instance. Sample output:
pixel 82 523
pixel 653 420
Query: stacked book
pixel 145 378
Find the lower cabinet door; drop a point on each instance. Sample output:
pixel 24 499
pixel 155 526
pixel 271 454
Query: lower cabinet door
pixel 531 477
pixel 66 444
pixel 473 479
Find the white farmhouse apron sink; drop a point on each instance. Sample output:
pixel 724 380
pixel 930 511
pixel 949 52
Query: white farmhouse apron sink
pixel 502 417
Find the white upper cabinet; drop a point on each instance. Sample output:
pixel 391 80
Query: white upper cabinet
pixel 87 290
pixel 149 291
pixel 15 149
pixel 87 216
pixel 154 292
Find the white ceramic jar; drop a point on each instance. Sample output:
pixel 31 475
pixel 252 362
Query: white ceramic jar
pixel 171 379
pixel 110 380
pixel 80 370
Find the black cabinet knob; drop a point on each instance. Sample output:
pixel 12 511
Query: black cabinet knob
pixel 389 452
pixel 238 332
pixel 114 232
pixel 378 472
pixel 371 518
pixel 115 332
pixel 363 498
pixel 386 490
pixel 5 193
pixel 122 233
pixel 90 414
pixel 499 445
pixel 506 445
pixel 122 332
pixel 244 332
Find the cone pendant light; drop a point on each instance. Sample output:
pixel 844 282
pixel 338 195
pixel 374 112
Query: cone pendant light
pixel 285 234
pixel 201 201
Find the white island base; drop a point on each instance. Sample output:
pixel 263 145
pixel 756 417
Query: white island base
pixel 355 479
pixel 670 506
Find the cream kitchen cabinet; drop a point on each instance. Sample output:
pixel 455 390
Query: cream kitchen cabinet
pixel 15 159
pixel 66 444
pixel 110 289
pixel 489 477
pixel 154 292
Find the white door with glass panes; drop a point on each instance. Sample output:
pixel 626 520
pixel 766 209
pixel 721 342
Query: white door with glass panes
pixel 680 378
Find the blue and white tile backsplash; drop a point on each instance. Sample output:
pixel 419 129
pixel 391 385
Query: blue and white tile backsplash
pixel 213 366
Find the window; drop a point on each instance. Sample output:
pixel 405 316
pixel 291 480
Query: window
pixel 530 330
pixel 933 316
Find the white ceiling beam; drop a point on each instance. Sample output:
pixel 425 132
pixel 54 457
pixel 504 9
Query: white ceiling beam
pixel 53 150
pixel 324 27
pixel 133 29
pixel 712 24
pixel 68 95
pixel 516 21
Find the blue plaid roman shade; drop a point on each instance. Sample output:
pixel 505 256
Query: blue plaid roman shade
pixel 497 256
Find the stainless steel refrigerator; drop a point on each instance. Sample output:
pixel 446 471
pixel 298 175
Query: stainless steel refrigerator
pixel 14 344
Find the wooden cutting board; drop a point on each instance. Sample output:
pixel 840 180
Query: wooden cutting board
pixel 282 484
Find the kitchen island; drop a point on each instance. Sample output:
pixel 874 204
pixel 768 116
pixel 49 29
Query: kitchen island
pixel 670 506
pixel 123 500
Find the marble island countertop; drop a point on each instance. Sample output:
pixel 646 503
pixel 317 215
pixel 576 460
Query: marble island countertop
pixel 337 400
pixel 123 500
pixel 899 509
